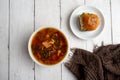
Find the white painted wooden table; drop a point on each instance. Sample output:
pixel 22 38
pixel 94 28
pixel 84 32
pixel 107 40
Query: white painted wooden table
pixel 19 18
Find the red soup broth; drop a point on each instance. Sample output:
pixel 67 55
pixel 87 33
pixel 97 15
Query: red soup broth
pixel 49 46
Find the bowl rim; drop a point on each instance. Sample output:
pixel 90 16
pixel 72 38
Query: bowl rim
pixel 30 50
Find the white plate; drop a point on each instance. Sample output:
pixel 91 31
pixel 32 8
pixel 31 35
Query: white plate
pixel 87 35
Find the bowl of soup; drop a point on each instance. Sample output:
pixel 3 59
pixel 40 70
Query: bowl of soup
pixel 48 46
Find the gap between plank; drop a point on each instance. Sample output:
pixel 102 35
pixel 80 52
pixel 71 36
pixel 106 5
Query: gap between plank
pixel 111 22
pixel 60 28
pixel 9 40
pixel 86 41
pixel 60 12
pixel 34 30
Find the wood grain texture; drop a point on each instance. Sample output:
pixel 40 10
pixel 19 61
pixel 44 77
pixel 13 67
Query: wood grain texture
pixel 21 27
pixel 19 18
pixel 4 26
pixel 105 36
pixel 67 7
pixel 115 11
pixel 47 13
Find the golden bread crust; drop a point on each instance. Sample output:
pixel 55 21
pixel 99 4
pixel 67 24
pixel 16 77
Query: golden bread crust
pixel 89 21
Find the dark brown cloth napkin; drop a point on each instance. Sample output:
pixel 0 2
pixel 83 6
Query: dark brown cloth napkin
pixel 102 64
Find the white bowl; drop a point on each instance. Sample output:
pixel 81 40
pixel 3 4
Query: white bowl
pixel 30 50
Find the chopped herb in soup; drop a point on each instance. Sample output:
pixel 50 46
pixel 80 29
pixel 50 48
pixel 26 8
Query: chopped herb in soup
pixel 49 46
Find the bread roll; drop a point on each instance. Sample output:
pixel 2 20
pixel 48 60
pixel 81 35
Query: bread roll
pixel 88 21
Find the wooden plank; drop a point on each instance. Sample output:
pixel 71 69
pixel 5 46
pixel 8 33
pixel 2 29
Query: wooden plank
pixel 47 13
pixel 4 28
pixel 105 36
pixel 115 8
pixel 67 7
pixel 21 27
